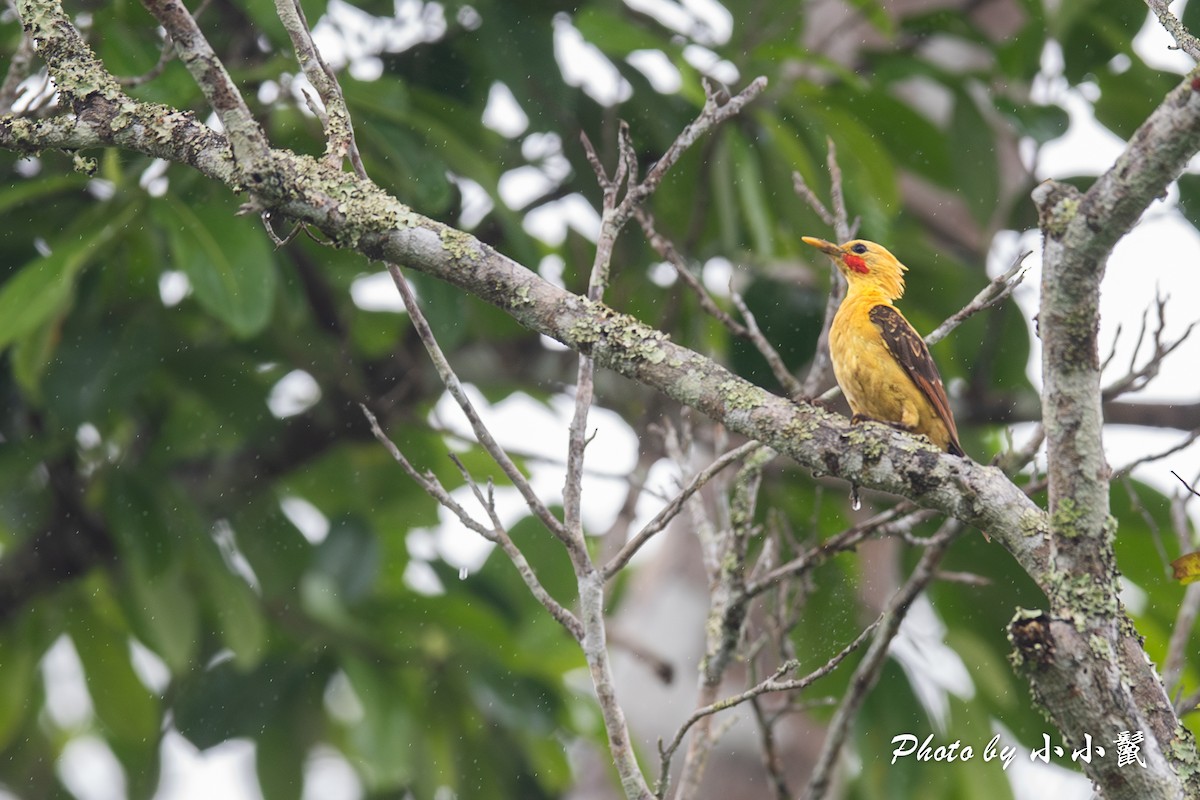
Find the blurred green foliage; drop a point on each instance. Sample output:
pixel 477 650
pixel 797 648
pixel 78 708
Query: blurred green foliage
pixel 146 416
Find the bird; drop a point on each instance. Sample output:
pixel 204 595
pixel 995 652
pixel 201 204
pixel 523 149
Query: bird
pixel 879 360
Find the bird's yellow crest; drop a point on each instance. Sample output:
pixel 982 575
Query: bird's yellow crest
pixel 865 263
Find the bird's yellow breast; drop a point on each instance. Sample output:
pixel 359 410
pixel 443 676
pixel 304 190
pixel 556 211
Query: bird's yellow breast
pixel 875 385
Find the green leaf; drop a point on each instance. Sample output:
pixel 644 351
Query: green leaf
pixel 613 33
pixel 235 609
pixel 1189 196
pixel 911 139
pixel 18 673
pixel 875 13
pixel 39 189
pixel 1092 32
pixel 754 202
pixel 226 258
pixel 279 756
pixel 1128 97
pixel 123 704
pixel 349 557
pixel 388 740
pixel 221 701
pixel 161 609
pixel 1041 123
pixel 974 155
pixel 42 288
pixel 97 373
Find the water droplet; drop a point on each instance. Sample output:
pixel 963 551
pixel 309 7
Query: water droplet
pixel 462 573
pixel 855 500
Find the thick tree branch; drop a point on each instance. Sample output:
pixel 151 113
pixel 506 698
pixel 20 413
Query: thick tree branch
pixel 1087 623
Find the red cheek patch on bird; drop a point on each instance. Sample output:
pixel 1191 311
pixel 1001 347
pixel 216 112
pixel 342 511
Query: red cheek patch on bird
pixel 856 263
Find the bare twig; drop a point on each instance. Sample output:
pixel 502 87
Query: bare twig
pixel 1188 704
pixel 782 374
pixel 246 138
pixel 996 291
pixel 900 516
pixel 1146 459
pixel 841 220
pixel 1177 649
pixel 1014 460
pixel 672 509
pixel 868 670
pixel 1112 353
pixel 18 71
pixel 497 533
pixel 775 683
pixel 822 367
pixel 725 559
pixel 339 131
pixel 1186 485
pixel 667 252
pixel 770 753
pixel 809 196
pixel 426 480
pixel 965 578
pixel 1184 40
pixel 1137 378
pixel 454 387
pixel 615 214
pixel 164 57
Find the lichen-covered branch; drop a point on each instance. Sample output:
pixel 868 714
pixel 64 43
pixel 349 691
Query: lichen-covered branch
pixel 248 141
pixel 1086 622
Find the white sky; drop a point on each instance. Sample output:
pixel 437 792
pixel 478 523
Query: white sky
pixel 1144 260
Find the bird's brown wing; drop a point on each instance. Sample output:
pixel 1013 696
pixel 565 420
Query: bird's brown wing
pixel 910 352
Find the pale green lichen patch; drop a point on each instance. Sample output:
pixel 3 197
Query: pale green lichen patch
pixel 364 208
pixel 1033 523
pixel 1082 597
pixel 1100 647
pixel 636 341
pixel 1110 530
pixel 584 331
pixel 865 437
pixel 1184 755
pixel 625 341
pixel 740 396
pixel 461 246
pixel 801 427
pixel 126 115
pixel 1066 519
pixel 690 386
pixel 84 164
pixel 1060 217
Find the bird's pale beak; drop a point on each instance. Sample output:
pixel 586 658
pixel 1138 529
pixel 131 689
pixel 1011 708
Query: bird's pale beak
pixel 828 248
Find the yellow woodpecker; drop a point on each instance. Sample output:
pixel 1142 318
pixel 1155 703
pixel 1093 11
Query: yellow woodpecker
pixel 882 365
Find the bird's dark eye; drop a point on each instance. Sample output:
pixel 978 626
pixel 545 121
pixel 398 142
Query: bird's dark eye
pixel 859 248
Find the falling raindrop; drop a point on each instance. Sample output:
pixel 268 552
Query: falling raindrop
pixel 855 500
pixel 462 573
